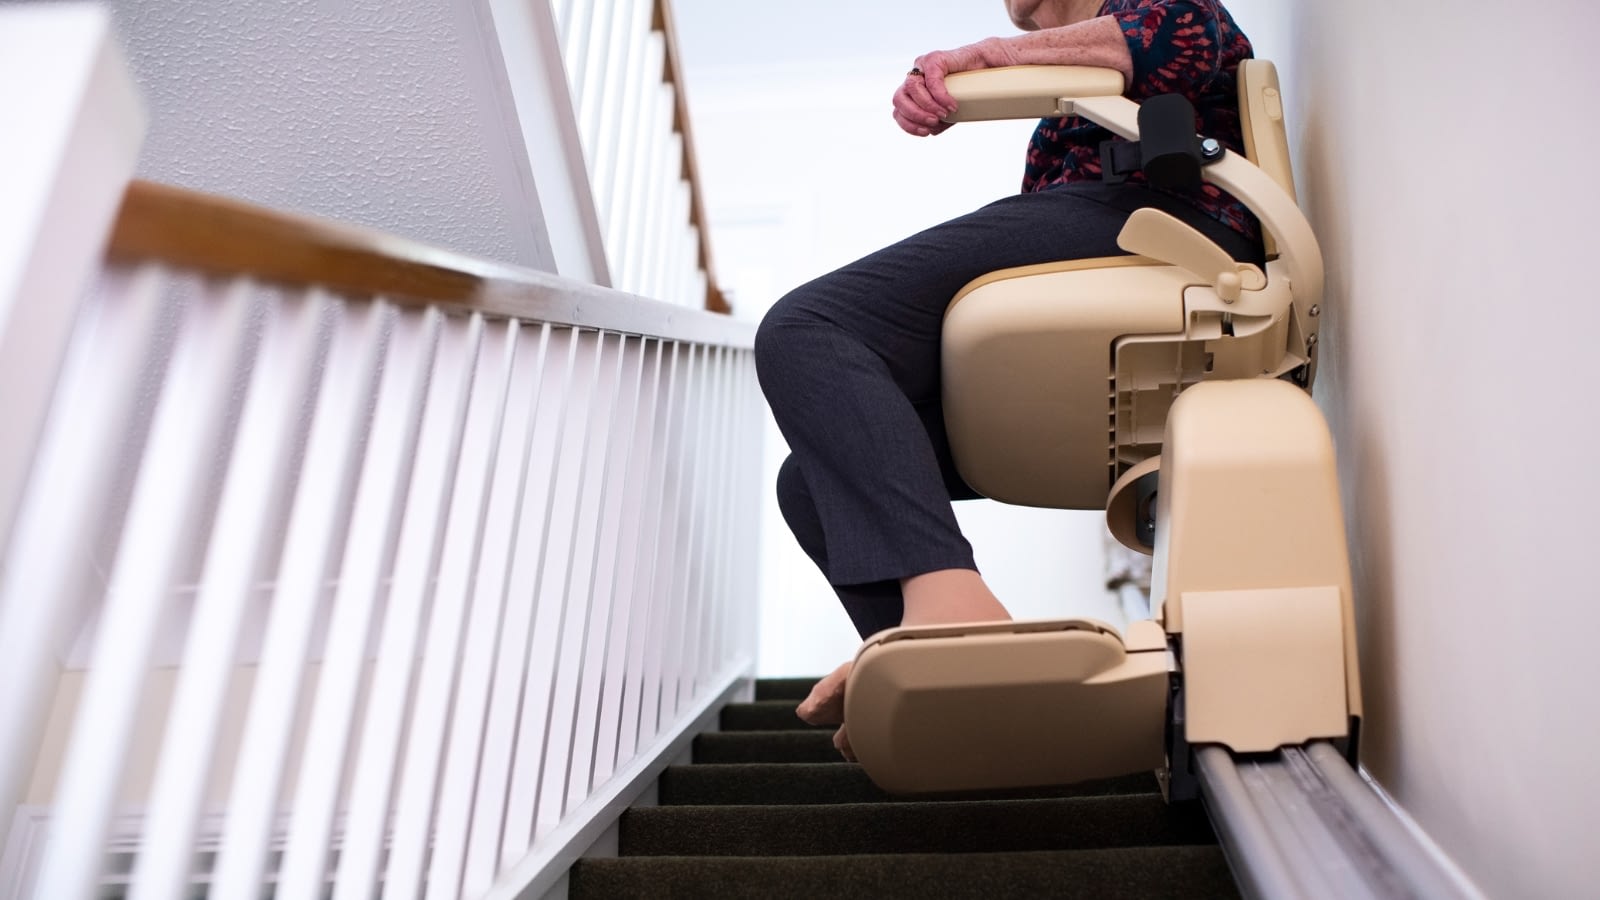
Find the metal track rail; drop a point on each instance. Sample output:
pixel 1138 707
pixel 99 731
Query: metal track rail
pixel 1300 823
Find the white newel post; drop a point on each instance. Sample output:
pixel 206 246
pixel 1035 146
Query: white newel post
pixel 70 128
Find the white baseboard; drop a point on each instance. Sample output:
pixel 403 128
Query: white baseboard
pixel 543 872
pixel 24 850
pixel 1434 851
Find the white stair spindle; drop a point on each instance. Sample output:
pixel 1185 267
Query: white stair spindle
pixel 252 503
pixel 639 679
pixel 316 525
pixel 459 826
pixel 668 559
pixel 527 537
pixel 620 660
pixel 368 563
pixel 601 597
pixel 417 561
pixel 161 530
pixel 450 642
pixel 647 122
pixel 589 529
pixel 555 472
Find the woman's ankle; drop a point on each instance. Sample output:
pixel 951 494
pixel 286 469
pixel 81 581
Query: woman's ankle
pixel 949 596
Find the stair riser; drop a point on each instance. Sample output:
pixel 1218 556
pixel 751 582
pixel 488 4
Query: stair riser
pixel 795 689
pixel 958 827
pixel 821 783
pixel 778 715
pixel 1189 872
pixel 767 747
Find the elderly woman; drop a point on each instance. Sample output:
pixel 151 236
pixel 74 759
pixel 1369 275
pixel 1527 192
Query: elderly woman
pixel 850 362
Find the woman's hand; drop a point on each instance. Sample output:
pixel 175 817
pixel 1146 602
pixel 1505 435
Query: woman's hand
pixel 915 110
pixel 825 706
pixel 922 103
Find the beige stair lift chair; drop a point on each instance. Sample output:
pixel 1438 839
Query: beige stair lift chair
pixel 1071 385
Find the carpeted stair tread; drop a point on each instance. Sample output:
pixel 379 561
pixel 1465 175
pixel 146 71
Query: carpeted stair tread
pixel 1105 874
pixel 980 826
pixel 799 746
pixel 801 783
pixel 795 689
pixel 764 715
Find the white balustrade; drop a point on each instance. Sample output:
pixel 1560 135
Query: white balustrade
pixel 623 72
pixel 361 590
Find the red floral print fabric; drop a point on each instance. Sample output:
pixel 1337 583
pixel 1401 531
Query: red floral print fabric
pixel 1189 47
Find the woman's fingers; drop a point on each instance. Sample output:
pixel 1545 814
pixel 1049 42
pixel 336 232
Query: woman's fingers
pixel 919 130
pixel 939 95
pixel 825 704
pixel 918 89
pixel 935 66
pixel 841 742
pixel 910 127
pixel 906 105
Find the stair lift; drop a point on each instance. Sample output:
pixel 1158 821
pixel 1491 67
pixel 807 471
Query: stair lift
pixel 1169 388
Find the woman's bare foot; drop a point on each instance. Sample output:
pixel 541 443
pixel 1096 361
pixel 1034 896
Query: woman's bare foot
pixel 825 705
pixel 949 596
pixel 945 597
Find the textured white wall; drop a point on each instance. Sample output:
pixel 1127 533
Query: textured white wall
pixel 370 111
pixel 1443 154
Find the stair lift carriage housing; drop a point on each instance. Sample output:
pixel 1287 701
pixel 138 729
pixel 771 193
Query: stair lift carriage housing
pixel 1062 384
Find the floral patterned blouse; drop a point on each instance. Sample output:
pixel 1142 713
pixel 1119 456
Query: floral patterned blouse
pixel 1190 47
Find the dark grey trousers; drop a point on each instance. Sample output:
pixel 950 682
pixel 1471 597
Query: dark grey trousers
pixel 849 364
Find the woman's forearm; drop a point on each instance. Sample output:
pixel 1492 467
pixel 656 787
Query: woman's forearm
pixel 1096 42
pixel 922 101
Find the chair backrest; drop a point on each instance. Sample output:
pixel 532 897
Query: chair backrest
pixel 1266 140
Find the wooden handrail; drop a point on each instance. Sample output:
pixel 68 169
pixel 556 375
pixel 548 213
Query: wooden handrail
pixel 223 237
pixel 662 21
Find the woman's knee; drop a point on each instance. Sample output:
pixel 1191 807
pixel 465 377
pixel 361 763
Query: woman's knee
pixel 794 495
pixel 799 511
pixel 778 344
pixel 794 308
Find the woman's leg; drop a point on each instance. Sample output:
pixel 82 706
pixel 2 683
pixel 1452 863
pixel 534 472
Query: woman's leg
pixel 873 606
pixel 850 366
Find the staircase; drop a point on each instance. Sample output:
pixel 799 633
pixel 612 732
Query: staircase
pixel 768 810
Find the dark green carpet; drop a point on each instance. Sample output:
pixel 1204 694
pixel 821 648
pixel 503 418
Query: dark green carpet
pixel 768 810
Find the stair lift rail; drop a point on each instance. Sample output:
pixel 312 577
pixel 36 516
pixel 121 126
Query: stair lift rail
pixel 1301 823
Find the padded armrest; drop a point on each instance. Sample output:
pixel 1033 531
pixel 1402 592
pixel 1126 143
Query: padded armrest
pixel 1026 92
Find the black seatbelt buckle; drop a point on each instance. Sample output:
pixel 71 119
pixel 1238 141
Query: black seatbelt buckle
pixel 1168 151
pixel 1119 159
